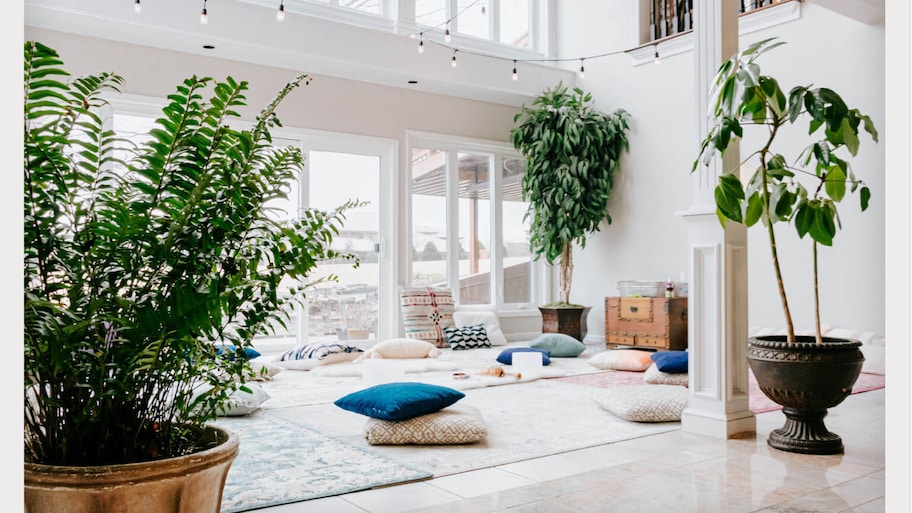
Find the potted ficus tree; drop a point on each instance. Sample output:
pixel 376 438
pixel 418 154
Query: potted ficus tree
pixel 572 152
pixel 143 264
pixel 805 374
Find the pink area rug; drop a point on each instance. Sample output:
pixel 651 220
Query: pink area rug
pixel 759 403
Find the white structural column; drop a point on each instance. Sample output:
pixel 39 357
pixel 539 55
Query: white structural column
pixel 717 302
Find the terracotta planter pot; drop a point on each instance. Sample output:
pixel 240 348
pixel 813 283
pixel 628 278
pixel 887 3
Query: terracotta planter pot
pixel 186 484
pixel 569 321
pixel 805 379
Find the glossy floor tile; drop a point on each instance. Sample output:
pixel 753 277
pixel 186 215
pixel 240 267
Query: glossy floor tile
pixel 673 471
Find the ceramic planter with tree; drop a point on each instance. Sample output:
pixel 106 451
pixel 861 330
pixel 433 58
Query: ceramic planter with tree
pixel 806 375
pixel 572 151
pixel 142 262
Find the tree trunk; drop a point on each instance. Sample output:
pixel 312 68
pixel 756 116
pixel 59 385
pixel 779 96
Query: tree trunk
pixel 566 273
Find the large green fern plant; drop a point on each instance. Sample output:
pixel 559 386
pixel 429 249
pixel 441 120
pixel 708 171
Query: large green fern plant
pixel 138 269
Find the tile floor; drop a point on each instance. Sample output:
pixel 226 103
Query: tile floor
pixel 670 472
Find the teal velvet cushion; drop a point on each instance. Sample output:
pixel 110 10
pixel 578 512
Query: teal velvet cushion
pixel 559 345
pixel 399 401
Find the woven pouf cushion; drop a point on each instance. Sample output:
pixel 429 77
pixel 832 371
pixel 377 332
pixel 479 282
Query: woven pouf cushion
pixel 656 377
pixel 454 425
pixel 645 403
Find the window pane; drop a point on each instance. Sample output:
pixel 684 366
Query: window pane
pixel 428 186
pixel 474 229
pixel 471 20
pixel 347 309
pixel 517 261
pixel 372 6
pixel 514 22
pixel 430 12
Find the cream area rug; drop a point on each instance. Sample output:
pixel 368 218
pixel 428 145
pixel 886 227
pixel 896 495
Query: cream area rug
pixel 526 418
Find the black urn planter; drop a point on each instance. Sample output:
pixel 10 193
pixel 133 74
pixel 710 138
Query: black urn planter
pixel 567 320
pixel 806 379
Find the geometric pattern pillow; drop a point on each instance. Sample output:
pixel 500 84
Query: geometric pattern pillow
pixel 654 376
pixel 454 425
pixel 467 337
pixel 309 356
pixel 645 403
pixel 486 317
pixel 426 312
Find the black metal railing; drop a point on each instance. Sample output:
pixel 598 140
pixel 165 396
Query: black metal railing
pixel 670 17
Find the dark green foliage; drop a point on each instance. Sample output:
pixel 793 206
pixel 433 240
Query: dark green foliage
pixel 135 271
pixel 742 96
pixel 572 152
pixel 745 97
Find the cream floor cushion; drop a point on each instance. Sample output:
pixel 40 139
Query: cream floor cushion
pixel 645 403
pixel 449 426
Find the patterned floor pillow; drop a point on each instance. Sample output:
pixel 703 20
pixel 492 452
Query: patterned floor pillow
pixel 426 311
pixel 641 403
pixel 654 376
pixel 450 426
pixel 467 337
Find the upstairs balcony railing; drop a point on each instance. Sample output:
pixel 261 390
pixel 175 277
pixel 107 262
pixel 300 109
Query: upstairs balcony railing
pixel 670 17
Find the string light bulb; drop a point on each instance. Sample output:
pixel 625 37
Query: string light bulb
pixel 204 16
pixel 137 6
pixel 515 74
pixel 453 62
pixel 446 34
pixel 656 58
pixel 421 44
pixel 582 71
pixel 484 10
pixel 280 14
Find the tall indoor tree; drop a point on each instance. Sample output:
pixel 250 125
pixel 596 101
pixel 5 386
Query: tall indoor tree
pixel 572 152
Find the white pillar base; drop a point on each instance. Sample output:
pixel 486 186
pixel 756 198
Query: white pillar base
pixel 727 425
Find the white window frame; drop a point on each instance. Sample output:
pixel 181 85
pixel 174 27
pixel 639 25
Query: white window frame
pixel 398 16
pixel 541 274
pixel 317 140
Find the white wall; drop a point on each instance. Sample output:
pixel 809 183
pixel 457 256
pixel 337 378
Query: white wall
pixel 647 241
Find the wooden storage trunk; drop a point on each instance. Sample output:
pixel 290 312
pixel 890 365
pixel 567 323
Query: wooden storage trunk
pixel 649 322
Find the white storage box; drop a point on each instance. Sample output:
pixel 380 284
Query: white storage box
pixel 641 288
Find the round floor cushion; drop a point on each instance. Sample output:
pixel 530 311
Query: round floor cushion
pixel 450 426
pixel 645 403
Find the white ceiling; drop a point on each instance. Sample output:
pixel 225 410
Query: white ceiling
pixel 248 32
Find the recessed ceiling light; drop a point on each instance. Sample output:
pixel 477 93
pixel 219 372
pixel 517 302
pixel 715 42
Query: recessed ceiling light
pixel 412 81
pixel 209 47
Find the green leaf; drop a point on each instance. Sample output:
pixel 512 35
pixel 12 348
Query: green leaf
pixel 849 136
pixel 865 195
pixel 835 182
pixel 804 219
pixel 754 210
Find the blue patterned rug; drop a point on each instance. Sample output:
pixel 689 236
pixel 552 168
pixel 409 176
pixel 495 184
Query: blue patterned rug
pixel 280 462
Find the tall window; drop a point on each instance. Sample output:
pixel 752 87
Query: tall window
pixel 363 302
pixel 467 227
